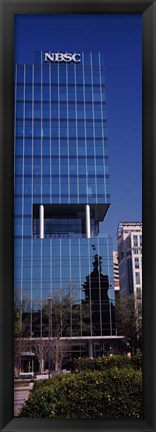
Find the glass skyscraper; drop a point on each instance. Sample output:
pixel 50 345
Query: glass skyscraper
pixel 62 194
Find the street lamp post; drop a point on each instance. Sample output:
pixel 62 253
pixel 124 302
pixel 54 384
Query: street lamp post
pixel 49 356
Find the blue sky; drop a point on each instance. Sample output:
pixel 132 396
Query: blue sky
pixel 120 38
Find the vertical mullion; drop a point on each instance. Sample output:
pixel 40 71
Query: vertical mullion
pixel 32 187
pixel 59 133
pixel 103 138
pixel 50 101
pixel 51 285
pixel 84 102
pixel 68 134
pixel 90 290
pixel 110 311
pixel 15 128
pixel 80 282
pixel 91 63
pixel 77 164
pixel 22 242
pixel 15 110
pixel 41 260
pixel 61 280
pixel 99 283
pixel 50 128
pixel 41 130
pixel 70 284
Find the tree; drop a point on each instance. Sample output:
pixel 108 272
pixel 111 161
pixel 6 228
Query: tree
pixel 67 318
pixel 21 344
pixel 40 347
pixel 129 320
pixel 60 323
pixel 21 315
pixel 60 351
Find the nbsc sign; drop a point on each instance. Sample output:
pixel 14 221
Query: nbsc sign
pixel 59 57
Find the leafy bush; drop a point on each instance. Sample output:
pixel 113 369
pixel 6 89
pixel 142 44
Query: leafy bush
pixel 107 362
pixel 114 394
pixel 102 363
pixel 136 361
pixel 43 383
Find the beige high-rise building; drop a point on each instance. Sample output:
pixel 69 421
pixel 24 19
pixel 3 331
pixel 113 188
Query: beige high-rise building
pixel 129 237
pixel 116 273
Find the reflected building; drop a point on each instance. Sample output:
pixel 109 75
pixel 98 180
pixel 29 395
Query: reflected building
pixel 62 193
pixel 96 287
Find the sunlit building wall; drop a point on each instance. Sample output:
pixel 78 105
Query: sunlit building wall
pixel 130 258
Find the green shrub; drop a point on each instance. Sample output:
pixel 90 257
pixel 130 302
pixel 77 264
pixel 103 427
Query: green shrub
pixel 106 362
pixel 136 361
pixel 114 394
pixel 102 363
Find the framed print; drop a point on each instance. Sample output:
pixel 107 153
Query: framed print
pixel 60 196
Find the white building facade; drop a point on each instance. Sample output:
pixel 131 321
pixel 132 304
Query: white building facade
pixel 129 237
pixel 116 272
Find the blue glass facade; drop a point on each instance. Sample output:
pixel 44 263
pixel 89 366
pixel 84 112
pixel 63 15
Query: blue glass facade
pixel 61 165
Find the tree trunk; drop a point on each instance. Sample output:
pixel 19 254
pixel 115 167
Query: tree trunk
pixel 42 367
pixel 56 366
pixel 132 349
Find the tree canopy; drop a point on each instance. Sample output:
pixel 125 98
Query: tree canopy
pixel 129 320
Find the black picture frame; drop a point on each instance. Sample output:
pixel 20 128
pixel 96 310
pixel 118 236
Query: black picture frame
pixel 7 11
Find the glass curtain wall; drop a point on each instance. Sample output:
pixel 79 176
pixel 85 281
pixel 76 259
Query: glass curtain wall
pixel 61 164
